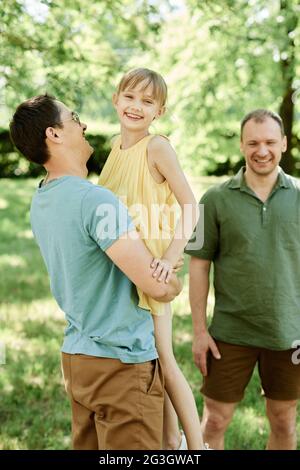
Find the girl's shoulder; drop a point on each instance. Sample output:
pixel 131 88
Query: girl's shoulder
pixel 160 150
pixel 159 138
pixel 158 141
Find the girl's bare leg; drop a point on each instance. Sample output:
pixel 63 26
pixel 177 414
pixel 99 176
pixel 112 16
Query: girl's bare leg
pixel 176 385
pixel 171 432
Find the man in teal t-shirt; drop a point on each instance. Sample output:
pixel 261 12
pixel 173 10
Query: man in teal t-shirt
pixel 252 237
pixel 94 257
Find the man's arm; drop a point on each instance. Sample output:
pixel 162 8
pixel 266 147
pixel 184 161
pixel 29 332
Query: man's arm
pixel 132 257
pixel 199 287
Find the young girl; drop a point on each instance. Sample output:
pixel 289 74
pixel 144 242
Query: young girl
pixel 142 169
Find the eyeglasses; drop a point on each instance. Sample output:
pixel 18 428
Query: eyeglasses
pixel 75 117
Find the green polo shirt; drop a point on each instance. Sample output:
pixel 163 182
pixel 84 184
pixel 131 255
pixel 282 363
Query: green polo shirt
pixel 255 248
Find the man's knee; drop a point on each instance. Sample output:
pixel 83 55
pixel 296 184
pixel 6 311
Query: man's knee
pixel 217 416
pixel 282 420
pixel 216 422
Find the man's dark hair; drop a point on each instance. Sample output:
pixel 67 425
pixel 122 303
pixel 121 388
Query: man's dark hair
pixel 260 115
pixel 29 123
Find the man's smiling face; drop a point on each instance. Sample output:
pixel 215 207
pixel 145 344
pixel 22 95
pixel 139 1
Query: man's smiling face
pixel 73 133
pixel 262 144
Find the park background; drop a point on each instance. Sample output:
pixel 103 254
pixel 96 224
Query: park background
pixel 220 60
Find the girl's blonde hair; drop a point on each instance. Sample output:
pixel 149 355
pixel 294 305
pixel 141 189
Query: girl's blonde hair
pixel 132 78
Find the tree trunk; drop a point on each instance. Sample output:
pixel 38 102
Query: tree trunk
pixel 287 114
pixel 287 63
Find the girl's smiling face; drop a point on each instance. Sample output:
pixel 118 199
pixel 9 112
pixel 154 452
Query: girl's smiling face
pixel 137 107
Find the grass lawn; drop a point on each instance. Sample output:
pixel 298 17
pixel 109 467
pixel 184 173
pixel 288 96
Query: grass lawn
pixel 34 411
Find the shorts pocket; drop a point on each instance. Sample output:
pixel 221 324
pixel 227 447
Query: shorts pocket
pixel 151 377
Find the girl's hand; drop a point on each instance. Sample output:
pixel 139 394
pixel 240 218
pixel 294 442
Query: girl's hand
pixel 162 269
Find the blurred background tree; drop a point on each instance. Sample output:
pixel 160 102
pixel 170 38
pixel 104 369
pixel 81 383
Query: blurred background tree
pixel 220 59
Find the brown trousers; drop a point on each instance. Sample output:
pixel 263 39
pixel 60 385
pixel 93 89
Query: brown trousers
pixel 114 405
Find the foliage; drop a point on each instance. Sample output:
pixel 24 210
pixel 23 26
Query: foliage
pixel 71 47
pixel 220 60
pixel 226 59
pixel 13 165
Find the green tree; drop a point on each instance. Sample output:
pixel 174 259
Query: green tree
pixel 223 59
pixel 289 63
pixel 72 48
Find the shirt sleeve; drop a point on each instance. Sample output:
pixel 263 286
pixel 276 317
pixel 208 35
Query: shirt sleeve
pixel 205 239
pixel 105 218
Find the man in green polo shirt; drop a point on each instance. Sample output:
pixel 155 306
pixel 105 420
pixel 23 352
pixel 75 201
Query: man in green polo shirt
pixel 252 237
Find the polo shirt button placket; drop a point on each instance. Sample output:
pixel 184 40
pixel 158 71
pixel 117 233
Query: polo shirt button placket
pixel 264 214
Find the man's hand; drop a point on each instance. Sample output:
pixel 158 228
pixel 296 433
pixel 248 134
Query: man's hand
pixel 202 343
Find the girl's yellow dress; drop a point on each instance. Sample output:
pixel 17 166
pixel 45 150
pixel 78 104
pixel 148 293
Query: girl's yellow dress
pixel 151 205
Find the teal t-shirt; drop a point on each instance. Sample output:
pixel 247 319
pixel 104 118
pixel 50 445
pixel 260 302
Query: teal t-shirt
pixel 74 222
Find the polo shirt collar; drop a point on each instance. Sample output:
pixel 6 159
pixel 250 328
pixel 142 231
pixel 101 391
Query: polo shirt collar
pixel 283 180
pixel 239 182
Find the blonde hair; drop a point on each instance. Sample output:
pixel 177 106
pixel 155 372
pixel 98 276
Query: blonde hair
pixel 132 78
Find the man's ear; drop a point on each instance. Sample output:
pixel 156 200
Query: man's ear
pixel 284 144
pixel 53 134
pixel 241 146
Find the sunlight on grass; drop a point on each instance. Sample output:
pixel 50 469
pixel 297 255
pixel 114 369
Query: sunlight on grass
pixel 25 234
pixel 3 203
pixel 9 443
pixel 30 380
pixel 36 310
pixel 200 185
pixel 253 429
pixel 12 260
pixel 180 305
pixel 182 336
